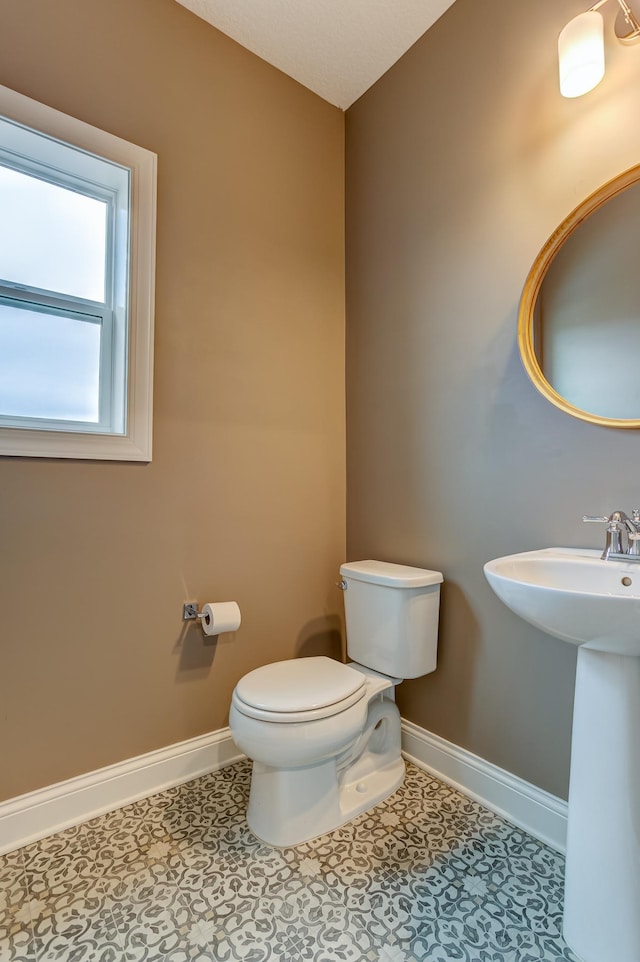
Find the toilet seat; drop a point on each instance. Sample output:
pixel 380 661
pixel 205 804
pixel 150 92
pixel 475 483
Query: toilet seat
pixel 299 689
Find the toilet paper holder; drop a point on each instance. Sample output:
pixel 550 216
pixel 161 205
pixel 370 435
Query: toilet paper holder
pixel 190 611
pixel 216 618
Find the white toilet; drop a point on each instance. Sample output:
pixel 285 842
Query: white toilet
pixel 325 737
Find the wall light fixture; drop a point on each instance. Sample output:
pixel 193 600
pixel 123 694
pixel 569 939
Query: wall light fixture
pixel 581 48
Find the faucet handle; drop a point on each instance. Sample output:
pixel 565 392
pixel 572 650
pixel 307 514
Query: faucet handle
pixel 588 517
pixel 633 548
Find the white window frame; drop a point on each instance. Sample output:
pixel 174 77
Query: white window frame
pixel 132 362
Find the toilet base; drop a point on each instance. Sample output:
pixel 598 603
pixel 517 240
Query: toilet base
pixel 290 806
pixel 292 825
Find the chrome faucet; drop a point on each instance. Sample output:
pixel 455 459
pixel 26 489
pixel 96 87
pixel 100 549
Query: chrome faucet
pixel 618 523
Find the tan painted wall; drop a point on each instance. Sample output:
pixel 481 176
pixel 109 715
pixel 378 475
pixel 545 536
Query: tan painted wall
pixel 460 163
pixel 245 496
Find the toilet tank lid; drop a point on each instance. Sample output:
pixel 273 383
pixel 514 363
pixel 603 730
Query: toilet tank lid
pixel 393 575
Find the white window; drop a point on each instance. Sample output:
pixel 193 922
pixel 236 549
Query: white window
pixel 77 277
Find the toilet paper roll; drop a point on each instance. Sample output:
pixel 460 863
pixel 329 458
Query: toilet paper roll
pixel 220 616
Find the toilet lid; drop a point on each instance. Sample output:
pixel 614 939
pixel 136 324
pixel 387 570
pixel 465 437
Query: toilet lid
pixel 299 685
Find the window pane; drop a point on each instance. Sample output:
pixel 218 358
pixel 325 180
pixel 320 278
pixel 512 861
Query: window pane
pixel 51 237
pixel 49 365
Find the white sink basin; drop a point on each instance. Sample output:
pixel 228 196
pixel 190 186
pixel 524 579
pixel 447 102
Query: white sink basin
pixel 572 594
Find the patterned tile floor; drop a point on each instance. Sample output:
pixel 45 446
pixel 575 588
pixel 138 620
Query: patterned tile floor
pixel 427 876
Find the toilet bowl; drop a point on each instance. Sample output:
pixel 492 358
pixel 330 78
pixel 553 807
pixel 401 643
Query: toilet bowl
pixel 305 779
pixel 324 737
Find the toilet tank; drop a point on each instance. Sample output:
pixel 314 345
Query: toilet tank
pixel 392 617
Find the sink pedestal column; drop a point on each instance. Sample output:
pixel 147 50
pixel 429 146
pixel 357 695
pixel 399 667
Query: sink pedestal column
pixel 602 880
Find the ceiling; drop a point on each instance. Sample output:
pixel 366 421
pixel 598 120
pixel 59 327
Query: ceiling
pixel 337 48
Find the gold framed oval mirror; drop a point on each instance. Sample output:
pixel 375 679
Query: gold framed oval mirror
pixel 579 317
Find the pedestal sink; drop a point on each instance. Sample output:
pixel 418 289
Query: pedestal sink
pixel 573 595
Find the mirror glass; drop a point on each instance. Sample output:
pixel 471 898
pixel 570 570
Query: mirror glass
pixel 580 311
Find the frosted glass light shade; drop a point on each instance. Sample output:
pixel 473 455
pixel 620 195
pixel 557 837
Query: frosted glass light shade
pixel 581 54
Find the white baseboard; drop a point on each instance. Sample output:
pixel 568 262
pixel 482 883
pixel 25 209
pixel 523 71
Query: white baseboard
pixel 26 818
pixel 48 810
pixel 540 814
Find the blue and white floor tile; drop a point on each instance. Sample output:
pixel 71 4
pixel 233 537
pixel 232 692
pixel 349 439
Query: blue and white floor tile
pixel 427 876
